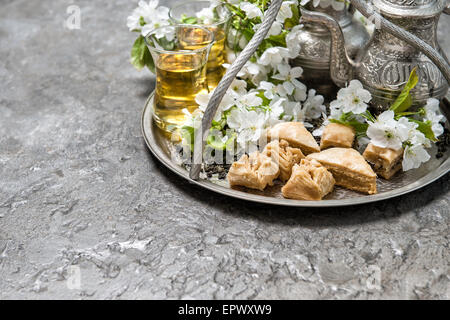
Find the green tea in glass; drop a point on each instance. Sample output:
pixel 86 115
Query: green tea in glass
pixel 180 54
pixel 215 17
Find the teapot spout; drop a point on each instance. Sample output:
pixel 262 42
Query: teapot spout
pixel 341 66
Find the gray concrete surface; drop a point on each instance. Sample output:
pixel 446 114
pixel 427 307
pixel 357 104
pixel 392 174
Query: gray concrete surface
pixel 80 195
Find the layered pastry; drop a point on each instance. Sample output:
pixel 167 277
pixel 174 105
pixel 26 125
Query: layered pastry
pixel 285 156
pixel 386 162
pixel 337 135
pixel 309 181
pixel 254 171
pixel 296 135
pixel 349 169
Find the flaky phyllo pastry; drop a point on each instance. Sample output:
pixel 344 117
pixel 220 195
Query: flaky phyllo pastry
pixel 255 171
pixel 285 156
pixel 309 181
pixel 296 135
pixel 337 135
pixel 349 169
pixel 386 162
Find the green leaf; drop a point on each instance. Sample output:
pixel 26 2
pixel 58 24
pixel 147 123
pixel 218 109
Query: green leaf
pixel 425 128
pixel 404 100
pixel 219 144
pixel 187 133
pixel 294 20
pixel 348 119
pixel 140 55
pixel 188 20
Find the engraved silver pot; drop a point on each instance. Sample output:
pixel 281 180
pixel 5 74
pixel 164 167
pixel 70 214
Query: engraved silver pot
pixel 385 64
pixel 315 41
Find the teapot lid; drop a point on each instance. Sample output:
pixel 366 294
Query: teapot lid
pixel 410 8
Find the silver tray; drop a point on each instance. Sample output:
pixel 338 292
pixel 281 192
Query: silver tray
pixel 403 183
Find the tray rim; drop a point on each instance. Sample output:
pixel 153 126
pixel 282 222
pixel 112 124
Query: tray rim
pixel 147 125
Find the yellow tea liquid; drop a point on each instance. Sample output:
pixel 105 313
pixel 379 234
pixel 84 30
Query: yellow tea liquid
pixel 215 70
pixel 179 77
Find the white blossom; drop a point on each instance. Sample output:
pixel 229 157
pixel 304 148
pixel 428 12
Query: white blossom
pixel 286 11
pixel 158 31
pixel 273 56
pixel 414 156
pixel 335 4
pixel 228 101
pixel 313 106
pixel 300 94
pixel 434 115
pixel 272 91
pixel 253 72
pixel 293 111
pixel 206 15
pixel 249 125
pixel 134 21
pixel 275 29
pixel 319 131
pixel 238 87
pixel 289 77
pixel 353 99
pixel 293 41
pixel 274 111
pixel 383 132
pixel 251 10
pixel 249 100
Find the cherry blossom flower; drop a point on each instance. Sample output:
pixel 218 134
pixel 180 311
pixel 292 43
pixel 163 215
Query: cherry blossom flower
pixel 289 77
pixel 273 56
pixel 238 87
pixel 383 132
pixel 249 100
pixel 286 11
pixel 434 115
pixel 206 15
pixel 353 99
pixel 272 91
pixel 274 111
pixel 313 106
pixel 249 125
pixel 293 41
pixel 251 10
pixel 228 101
pixel 413 156
pixel 337 5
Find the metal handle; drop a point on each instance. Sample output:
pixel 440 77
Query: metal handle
pixel 202 134
pixel 363 7
pixel 447 9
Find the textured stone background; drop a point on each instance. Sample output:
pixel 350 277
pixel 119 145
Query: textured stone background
pixel 80 192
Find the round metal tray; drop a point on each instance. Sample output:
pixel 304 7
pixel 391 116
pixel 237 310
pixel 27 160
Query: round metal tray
pixel 402 183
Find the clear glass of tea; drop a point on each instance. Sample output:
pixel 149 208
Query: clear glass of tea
pixel 216 17
pixel 180 53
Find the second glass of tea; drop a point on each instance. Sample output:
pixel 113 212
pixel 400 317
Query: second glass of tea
pixel 180 54
pixel 215 17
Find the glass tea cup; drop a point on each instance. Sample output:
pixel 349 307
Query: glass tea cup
pixel 215 17
pixel 180 54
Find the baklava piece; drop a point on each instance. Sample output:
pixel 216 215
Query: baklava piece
pixel 296 135
pixel 349 169
pixel 285 156
pixel 386 162
pixel 337 135
pixel 309 181
pixel 255 171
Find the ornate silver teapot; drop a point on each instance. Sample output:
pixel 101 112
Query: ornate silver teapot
pixel 315 43
pixel 386 62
